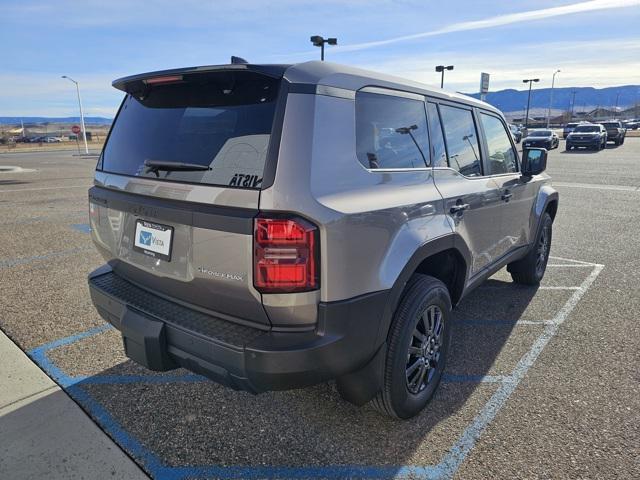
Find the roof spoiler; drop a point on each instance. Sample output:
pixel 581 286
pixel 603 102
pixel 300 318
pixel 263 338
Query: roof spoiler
pixel 135 84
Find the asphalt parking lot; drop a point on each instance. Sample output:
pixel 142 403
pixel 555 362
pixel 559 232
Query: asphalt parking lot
pixel 541 382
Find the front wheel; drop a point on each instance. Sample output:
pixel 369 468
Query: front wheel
pixel 417 347
pixel 530 269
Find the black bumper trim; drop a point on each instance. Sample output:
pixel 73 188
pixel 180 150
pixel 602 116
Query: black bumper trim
pixel 166 335
pixel 212 217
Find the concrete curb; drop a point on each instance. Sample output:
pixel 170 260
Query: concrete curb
pixel 44 433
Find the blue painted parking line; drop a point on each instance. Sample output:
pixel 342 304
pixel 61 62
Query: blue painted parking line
pixel 81 227
pixel 39 355
pixel 445 469
pixel 12 262
pixel 73 385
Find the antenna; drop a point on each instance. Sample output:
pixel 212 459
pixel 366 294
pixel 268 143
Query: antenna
pixel 238 60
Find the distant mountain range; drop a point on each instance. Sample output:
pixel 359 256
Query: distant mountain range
pixel 511 100
pixel 31 120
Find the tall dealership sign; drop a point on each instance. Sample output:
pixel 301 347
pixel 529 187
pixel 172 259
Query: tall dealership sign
pixel 484 85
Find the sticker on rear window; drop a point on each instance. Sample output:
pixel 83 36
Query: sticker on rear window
pixel 244 180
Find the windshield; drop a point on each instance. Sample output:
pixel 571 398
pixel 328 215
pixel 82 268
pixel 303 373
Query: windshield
pixel 611 125
pixel 540 133
pixel 587 128
pixel 218 125
pixel 571 125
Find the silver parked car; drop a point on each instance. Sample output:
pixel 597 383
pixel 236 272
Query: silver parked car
pixel 277 226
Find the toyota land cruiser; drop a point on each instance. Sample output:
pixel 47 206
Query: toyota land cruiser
pixel 276 226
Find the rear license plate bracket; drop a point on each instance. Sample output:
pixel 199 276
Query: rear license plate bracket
pixel 153 239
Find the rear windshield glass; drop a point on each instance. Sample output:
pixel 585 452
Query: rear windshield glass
pixel 611 125
pixel 587 128
pixel 211 129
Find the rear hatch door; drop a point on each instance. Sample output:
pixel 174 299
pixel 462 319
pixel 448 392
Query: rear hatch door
pixel 178 186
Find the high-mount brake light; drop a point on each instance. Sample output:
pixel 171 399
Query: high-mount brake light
pixel 163 80
pixel 285 255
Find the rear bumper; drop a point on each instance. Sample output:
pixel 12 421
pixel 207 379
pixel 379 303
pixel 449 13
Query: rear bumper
pixel 161 334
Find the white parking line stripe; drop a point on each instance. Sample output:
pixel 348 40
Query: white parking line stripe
pixel 535 322
pixel 553 287
pixel 574 265
pixel 572 261
pixel 467 440
pixel 505 323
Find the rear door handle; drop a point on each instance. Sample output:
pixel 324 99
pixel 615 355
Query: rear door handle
pixel 506 195
pixel 459 208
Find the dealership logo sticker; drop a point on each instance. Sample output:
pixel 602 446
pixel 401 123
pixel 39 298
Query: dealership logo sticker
pixel 153 239
pixel 145 238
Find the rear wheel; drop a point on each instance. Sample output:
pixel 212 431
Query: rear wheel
pixel 530 269
pixel 417 347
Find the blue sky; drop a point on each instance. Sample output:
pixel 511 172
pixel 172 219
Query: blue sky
pixel 594 42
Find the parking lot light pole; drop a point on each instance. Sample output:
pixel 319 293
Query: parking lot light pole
pixel 441 69
pixel 530 82
pixel 553 82
pixel 319 41
pixel 84 132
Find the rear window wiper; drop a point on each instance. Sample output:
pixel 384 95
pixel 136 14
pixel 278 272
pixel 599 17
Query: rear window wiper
pixel 156 166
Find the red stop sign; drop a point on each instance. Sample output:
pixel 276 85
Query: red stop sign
pixel 75 129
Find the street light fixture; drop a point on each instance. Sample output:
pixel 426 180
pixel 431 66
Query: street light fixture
pixel 441 69
pixel 530 82
pixel 84 132
pixel 319 41
pixel 553 82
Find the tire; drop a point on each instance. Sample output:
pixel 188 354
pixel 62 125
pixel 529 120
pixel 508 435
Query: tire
pixel 568 147
pixel 530 269
pixel 425 307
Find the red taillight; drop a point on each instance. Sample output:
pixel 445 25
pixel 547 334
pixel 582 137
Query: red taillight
pixel 285 255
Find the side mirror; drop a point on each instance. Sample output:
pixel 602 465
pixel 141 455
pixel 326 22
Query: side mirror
pixel 534 161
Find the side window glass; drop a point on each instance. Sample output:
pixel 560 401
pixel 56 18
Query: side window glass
pixel 391 132
pixel 462 140
pixel 502 157
pixel 438 150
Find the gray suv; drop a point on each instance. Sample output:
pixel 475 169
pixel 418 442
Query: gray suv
pixel 276 226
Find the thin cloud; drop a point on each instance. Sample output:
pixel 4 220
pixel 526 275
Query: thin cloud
pixel 497 21
pixel 511 63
